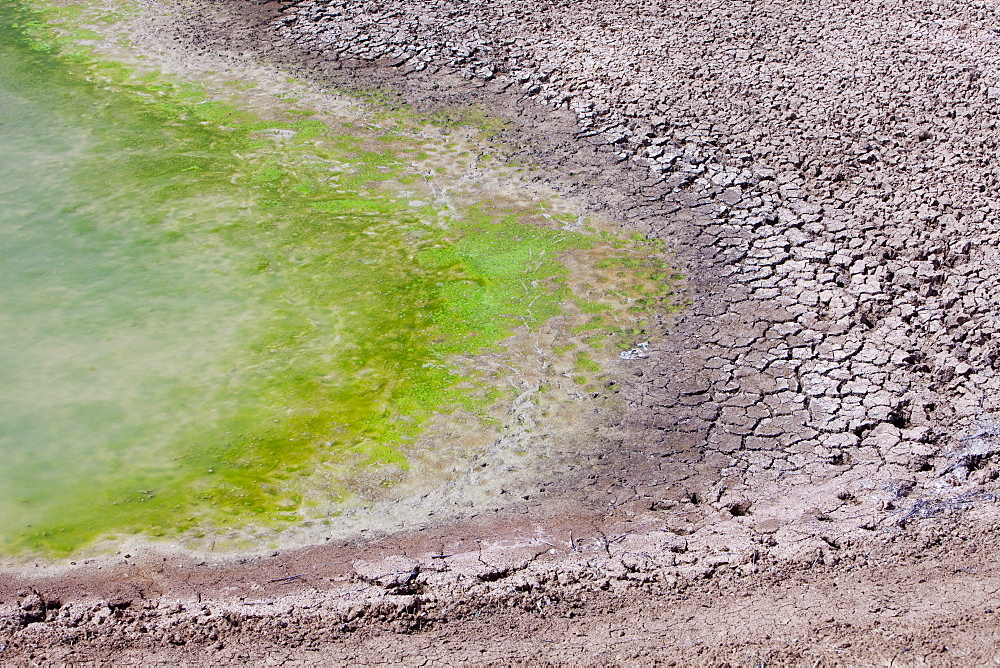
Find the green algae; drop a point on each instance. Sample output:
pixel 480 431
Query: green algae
pixel 254 308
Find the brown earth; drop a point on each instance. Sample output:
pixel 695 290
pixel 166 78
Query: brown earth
pixel 805 472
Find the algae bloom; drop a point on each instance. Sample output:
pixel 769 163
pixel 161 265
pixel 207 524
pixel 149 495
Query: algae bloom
pixel 209 315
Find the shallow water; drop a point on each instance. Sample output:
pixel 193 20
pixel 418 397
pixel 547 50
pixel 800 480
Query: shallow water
pixel 214 319
pixel 192 321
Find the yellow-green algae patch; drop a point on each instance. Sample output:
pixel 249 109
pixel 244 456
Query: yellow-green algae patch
pixel 212 314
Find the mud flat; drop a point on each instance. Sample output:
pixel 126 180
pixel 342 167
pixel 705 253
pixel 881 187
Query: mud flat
pixel 805 472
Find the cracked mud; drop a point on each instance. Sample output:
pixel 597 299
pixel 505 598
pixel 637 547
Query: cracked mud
pixel 807 469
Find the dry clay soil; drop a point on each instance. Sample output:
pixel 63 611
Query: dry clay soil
pixel 806 470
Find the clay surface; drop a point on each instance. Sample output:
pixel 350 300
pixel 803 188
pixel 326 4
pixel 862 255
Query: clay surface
pixel 805 472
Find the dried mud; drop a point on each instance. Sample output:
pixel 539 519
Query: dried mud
pixel 805 472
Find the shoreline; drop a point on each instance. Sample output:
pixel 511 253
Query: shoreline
pixel 811 299
pixel 477 468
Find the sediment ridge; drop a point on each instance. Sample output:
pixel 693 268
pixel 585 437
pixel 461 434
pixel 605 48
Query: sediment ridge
pixel 814 437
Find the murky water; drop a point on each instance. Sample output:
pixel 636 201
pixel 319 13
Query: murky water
pixel 208 319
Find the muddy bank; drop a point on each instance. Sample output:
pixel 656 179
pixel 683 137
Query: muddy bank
pixel 822 411
pixel 821 171
pixel 886 605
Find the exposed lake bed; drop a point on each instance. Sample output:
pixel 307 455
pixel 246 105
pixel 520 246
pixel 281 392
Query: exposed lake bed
pixel 743 509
